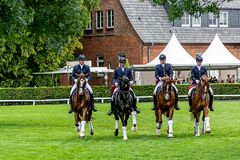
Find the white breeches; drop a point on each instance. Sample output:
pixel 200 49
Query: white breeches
pixel 87 86
pixel 190 90
pixel 160 83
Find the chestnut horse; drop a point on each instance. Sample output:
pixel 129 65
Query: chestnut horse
pixel 165 104
pixel 80 103
pixel 123 107
pixel 200 102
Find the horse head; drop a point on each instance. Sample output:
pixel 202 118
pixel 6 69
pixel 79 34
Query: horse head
pixel 124 83
pixel 204 85
pixel 81 83
pixel 167 85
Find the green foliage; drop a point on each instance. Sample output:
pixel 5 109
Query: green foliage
pixel 176 8
pixel 39 36
pixel 101 91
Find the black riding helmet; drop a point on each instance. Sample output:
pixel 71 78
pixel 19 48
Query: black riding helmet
pixel 199 59
pixel 81 57
pixel 162 57
pixel 122 60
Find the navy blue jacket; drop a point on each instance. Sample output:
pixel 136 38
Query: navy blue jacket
pixel 118 73
pixel 161 71
pixel 77 69
pixel 196 74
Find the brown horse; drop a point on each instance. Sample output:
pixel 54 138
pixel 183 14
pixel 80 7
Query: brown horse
pixel 200 102
pixel 165 104
pixel 80 103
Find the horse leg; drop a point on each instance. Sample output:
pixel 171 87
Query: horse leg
pixel 77 123
pixel 116 124
pixel 206 119
pixel 124 127
pixel 91 127
pixel 196 124
pixel 134 121
pixel 203 124
pixel 170 123
pixel 158 114
pixel 83 123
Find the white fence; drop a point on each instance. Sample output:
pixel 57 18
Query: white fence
pixel 102 99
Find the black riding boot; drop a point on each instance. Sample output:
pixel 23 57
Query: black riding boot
pixel 111 110
pixel 176 102
pixel 190 103
pixel 134 106
pixel 92 103
pixel 71 107
pixel 154 102
pixel 211 103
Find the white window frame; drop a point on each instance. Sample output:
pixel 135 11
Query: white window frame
pixel 100 61
pixel 90 24
pixel 111 17
pixel 196 19
pixel 101 19
pixel 184 17
pixel 211 18
pixel 222 18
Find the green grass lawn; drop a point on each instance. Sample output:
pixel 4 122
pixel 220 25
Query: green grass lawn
pixel 47 132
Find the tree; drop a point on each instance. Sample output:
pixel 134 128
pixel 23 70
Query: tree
pixel 39 35
pixel 176 8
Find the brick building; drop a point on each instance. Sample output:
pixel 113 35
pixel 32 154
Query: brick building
pixel 141 31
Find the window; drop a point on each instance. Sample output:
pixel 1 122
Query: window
pixel 99 19
pixel 186 20
pixel 110 19
pixel 100 61
pixel 212 20
pixel 196 21
pixel 90 23
pixel 223 19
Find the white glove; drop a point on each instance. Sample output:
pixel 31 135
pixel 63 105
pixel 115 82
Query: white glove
pixel 75 80
pixel 197 81
pixel 160 79
pixel 86 80
pixel 131 82
pixel 116 84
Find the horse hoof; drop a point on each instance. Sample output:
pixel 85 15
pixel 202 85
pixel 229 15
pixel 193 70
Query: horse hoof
pixel 134 129
pixel 91 133
pixel 197 135
pixel 208 131
pixel 170 135
pixel 116 132
pixel 125 139
pixel 81 137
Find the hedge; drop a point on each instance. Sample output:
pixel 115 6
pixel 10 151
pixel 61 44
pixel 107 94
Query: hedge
pixel 38 93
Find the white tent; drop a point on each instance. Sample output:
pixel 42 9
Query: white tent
pixel 176 55
pixel 218 57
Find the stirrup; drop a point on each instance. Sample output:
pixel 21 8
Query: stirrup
pixel 110 112
pixel 177 107
pixel 70 110
pixel 153 108
pixel 137 110
pixel 211 108
pixel 94 109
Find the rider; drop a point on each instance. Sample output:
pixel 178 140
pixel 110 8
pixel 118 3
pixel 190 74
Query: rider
pixel 164 69
pixel 118 73
pixel 78 69
pixel 196 74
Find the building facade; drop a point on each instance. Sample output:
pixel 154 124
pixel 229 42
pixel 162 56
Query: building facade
pixel 141 31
